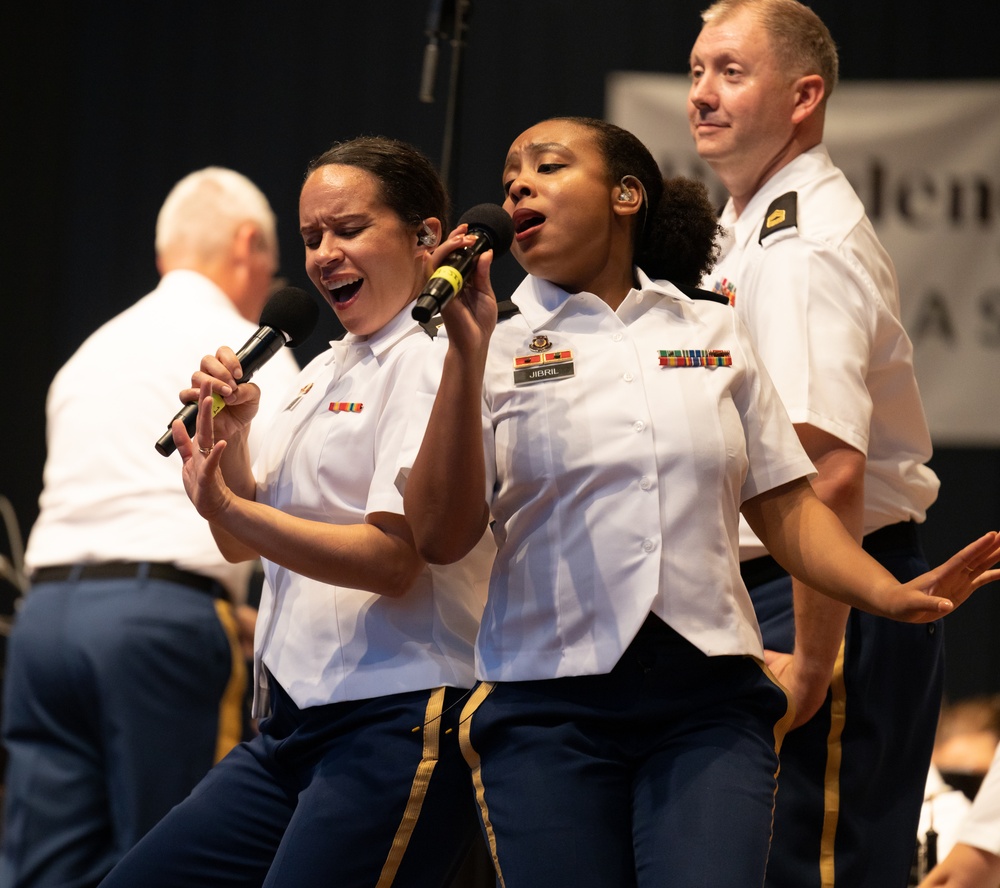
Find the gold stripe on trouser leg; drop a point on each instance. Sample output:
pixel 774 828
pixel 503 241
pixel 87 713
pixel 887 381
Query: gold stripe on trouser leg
pixel 481 692
pixel 231 705
pixel 780 727
pixel 831 781
pixel 418 789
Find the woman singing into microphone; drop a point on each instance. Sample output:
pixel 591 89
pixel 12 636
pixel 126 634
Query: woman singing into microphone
pixel 363 653
pixel 625 731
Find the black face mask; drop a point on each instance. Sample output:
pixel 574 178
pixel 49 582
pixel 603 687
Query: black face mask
pixel 967 782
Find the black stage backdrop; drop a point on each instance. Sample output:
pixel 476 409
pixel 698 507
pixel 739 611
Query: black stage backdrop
pixel 108 104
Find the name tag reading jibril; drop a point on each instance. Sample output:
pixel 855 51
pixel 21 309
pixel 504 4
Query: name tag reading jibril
pixel 543 367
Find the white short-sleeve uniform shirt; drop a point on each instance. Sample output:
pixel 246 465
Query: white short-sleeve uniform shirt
pixel 129 504
pixel 618 487
pixel 337 453
pixel 821 301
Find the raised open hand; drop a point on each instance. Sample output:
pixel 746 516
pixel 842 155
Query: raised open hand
pixel 945 587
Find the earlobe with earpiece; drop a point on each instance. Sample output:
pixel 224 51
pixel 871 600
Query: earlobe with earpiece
pixel 426 237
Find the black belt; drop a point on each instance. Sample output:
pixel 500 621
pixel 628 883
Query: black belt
pixel 891 538
pixel 118 570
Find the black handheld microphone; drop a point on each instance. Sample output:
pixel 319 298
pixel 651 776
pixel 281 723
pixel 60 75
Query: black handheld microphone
pixel 493 230
pixel 288 318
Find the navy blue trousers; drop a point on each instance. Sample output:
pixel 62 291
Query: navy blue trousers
pixel 854 824
pixel 661 772
pixel 354 795
pixel 112 699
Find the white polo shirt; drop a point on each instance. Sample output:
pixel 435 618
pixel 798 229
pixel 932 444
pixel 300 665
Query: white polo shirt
pixel 351 429
pixel 618 487
pixel 821 302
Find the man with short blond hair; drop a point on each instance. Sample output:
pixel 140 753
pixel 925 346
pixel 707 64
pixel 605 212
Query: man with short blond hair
pixel 807 274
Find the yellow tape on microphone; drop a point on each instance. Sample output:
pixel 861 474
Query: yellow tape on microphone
pixel 451 275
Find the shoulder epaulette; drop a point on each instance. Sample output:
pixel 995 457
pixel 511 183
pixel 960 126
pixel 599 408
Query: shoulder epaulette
pixel 698 293
pixel 432 325
pixel 505 309
pixel 780 215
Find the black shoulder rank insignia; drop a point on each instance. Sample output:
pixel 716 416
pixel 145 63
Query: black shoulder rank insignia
pixel 780 215
pixel 432 325
pixel 698 293
pixel 506 309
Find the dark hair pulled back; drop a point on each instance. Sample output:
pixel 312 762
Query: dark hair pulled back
pixel 675 236
pixel 408 182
